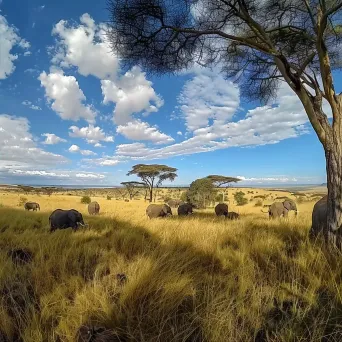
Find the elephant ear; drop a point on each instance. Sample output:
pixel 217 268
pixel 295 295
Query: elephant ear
pixel 289 205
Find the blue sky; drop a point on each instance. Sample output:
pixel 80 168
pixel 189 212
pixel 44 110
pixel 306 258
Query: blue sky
pixel 69 114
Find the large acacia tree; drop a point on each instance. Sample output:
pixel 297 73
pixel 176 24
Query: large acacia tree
pixel 219 180
pixel 259 43
pixel 153 175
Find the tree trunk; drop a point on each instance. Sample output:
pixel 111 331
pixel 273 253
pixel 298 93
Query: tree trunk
pixel 334 182
pixel 151 195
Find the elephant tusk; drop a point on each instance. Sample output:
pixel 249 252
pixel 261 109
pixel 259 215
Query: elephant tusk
pixel 81 224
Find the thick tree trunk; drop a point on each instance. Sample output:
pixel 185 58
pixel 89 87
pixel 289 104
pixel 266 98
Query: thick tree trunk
pixel 334 181
pixel 151 195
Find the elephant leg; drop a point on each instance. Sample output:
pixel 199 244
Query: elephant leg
pixel 285 213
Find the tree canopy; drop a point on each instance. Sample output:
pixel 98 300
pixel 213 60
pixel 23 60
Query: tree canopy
pixel 153 175
pixel 201 192
pixel 132 188
pixel 222 180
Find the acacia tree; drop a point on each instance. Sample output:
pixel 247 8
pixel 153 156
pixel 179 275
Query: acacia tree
pixel 258 44
pixel 201 192
pixel 133 188
pixel 153 175
pixel 218 181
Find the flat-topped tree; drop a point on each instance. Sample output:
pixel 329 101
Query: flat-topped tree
pixel 219 181
pixel 133 188
pixel 153 175
pixel 256 43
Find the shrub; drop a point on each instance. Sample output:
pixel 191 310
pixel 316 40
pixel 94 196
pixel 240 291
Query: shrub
pixel 300 200
pixel 22 201
pixel 258 203
pixel 240 199
pixel 109 197
pixel 85 200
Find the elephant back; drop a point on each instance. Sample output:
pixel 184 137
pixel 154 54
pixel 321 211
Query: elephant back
pixel 158 210
pixel 184 209
pixel 93 208
pixel 221 209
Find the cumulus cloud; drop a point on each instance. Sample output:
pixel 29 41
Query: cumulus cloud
pixel 76 149
pixel 179 133
pixel 18 147
pixel 132 93
pixel 278 179
pixel 85 47
pixel 283 119
pixel 52 139
pixel 66 96
pixel 9 38
pixel 31 105
pixel 208 96
pixel 138 130
pixel 70 175
pixel 91 134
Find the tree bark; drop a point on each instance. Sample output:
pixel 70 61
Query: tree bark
pixel 151 194
pixel 333 156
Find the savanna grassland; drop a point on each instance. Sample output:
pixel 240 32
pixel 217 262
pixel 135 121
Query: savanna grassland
pixel 198 278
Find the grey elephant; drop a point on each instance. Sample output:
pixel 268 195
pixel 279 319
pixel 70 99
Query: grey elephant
pixel 278 209
pixel 232 215
pixel 62 219
pixel 93 208
pixel 185 209
pixel 319 217
pixel 158 210
pixel 173 203
pixel 221 209
pixel 32 206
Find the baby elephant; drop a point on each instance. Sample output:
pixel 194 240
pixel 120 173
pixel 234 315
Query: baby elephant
pixel 233 215
pixel 185 209
pixel 32 205
pixel 93 208
pixel 221 209
pixel 62 219
pixel 158 210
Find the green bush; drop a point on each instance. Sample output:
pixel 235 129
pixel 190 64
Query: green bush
pixel 109 197
pixel 85 200
pixel 240 199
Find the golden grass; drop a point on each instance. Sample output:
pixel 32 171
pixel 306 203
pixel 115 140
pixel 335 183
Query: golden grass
pixel 197 278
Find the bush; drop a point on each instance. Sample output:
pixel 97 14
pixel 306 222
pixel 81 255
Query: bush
pixel 240 199
pixel 300 200
pixel 22 201
pixel 258 203
pixel 85 200
pixel 109 197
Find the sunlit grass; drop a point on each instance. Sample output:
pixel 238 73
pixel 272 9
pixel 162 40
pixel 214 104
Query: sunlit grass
pixel 198 278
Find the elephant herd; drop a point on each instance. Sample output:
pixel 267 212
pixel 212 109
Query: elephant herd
pixel 61 219
pixel 185 209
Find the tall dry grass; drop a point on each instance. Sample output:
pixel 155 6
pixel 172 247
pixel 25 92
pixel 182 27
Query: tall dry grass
pixel 197 278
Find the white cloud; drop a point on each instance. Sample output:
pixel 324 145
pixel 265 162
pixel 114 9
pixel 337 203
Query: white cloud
pixel 208 96
pixel 138 130
pixel 104 161
pixel 76 149
pixel 273 180
pixel 179 133
pixel 40 173
pixel 270 124
pixel 18 147
pixel 133 93
pixel 52 139
pixel 86 47
pixel 92 134
pixel 31 105
pixel 9 38
pixel 90 175
pixel 66 96
pixel 98 145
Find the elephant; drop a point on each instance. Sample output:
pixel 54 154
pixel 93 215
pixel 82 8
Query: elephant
pixel 93 208
pixel 278 209
pixel 62 219
pixel 32 205
pixel 173 203
pixel 319 217
pixel 158 210
pixel 185 209
pixel 233 215
pixel 221 209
